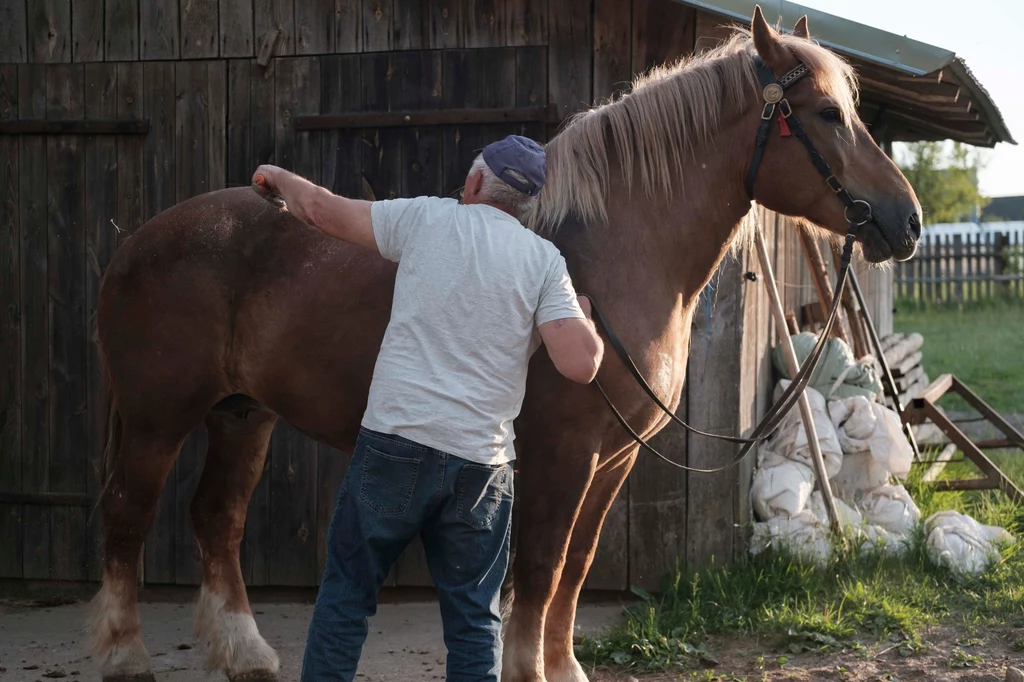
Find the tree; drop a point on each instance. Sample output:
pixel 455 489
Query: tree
pixel 945 178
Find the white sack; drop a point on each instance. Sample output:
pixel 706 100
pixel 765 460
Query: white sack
pixel 890 507
pixel 848 516
pixel 860 473
pixel 803 536
pixel 863 426
pixel 781 486
pixel 790 440
pixel 963 544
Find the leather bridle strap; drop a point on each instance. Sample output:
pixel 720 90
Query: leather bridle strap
pixel 773 92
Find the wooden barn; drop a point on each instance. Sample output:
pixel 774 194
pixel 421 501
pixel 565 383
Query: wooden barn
pixel 113 110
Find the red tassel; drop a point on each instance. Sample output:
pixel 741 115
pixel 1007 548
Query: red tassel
pixel 783 127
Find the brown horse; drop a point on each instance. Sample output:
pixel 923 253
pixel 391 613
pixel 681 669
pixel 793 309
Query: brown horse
pixel 225 303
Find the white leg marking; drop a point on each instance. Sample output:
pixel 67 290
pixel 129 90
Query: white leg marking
pixel 231 640
pixel 114 633
pixel 519 661
pixel 565 670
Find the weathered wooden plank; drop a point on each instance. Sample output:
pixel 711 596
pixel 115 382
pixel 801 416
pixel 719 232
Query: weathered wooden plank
pixel 158 23
pixel 657 510
pixel 198 20
pixel 121 34
pixel 613 23
pixel 49 31
pixel 461 78
pixel 158 155
pixel 314 26
pixel 65 224
pixel 532 87
pixel 569 54
pixel 292 557
pixel 411 25
pixel 93 127
pixel 341 151
pixel 236 38
pixel 410 118
pixel 377 25
pixel 11 558
pixel 130 209
pixel 714 378
pixel 382 156
pixel 192 129
pixel 526 22
pixel 87 31
pixel 35 395
pixel 13 33
pixel 269 15
pixel 663 31
pixel 483 23
pixel 239 160
pixel 497 89
pixel 217 72
pixel 103 174
pixel 444 24
pixel 348 25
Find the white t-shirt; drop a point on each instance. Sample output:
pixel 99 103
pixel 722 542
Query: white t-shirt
pixel 473 286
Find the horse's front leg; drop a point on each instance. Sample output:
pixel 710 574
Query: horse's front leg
pixel 560 664
pixel 553 481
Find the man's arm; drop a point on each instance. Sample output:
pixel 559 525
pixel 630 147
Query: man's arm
pixel 573 345
pixel 339 217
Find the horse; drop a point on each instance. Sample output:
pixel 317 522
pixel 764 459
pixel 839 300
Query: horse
pixel 228 310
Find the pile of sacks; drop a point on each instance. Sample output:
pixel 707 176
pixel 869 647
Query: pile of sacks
pixel 865 453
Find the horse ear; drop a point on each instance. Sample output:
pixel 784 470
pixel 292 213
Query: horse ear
pixel 766 40
pixel 800 30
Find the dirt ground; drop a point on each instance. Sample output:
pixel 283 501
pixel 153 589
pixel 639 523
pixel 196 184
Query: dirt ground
pixel 42 641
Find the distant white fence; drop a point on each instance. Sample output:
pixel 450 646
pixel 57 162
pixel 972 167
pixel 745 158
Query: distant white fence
pixel 958 263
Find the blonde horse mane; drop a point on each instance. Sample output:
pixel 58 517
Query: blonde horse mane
pixel 671 113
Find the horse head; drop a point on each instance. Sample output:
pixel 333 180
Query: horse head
pixel 824 104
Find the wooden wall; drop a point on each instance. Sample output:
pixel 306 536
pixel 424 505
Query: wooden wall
pixel 191 70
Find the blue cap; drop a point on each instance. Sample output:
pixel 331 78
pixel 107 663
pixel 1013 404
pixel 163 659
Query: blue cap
pixel 519 161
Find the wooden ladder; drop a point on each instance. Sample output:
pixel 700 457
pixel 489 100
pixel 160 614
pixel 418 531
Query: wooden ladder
pixel 922 409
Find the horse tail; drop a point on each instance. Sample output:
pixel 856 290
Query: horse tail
pixel 112 439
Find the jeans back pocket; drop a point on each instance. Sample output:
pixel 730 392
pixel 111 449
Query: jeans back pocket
pixel 482 490
pixel 387 482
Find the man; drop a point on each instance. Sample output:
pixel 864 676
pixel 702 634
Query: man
pixel 474 289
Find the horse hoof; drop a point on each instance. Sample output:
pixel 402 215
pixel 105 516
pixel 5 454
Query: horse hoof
pixel 133 677
pixel 254 676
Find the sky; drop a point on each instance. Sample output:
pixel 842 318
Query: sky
pixel 988 35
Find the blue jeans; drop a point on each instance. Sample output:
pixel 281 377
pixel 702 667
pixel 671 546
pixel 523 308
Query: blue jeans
pixel 395 489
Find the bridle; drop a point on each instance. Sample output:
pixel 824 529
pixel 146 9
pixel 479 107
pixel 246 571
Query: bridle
pixel 857 212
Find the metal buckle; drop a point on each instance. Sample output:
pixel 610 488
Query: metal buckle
pixel 768 111
pixel 785 109
pixel 834 183
pixel 867 212
pixel 773 93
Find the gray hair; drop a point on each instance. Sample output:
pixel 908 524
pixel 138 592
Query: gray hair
pixel 497 191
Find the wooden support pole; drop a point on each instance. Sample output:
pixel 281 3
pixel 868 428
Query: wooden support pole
pixel 861 346
pixel 805 403
pixel 819 275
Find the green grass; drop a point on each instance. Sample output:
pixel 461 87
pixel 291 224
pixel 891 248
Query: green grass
pixel 801 608
pixel 982 344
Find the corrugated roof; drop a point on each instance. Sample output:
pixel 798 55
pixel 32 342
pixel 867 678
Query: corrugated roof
pixel 926 92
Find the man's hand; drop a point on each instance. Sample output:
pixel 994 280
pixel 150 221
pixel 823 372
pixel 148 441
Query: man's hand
pixel 293 193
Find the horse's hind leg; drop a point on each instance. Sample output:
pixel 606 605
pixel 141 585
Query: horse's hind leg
pixel 224 623
pixel 129 503
pixel 560 664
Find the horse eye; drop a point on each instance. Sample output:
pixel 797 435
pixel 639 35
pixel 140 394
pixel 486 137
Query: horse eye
pixel 831 115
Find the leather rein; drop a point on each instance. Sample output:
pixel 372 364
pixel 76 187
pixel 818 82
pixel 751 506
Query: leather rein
pixel 857 213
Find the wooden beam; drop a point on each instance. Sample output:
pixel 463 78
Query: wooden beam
pixel 922 92
pixel 395 119
pixel 48 499
pixel 935 390
pixel 79 127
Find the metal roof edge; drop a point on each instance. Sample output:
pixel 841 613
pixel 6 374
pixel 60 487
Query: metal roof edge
pixel 980 96
pixel 837 33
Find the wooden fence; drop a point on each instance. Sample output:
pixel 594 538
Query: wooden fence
pixel 963 268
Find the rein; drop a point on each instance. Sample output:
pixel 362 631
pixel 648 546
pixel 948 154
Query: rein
pixel 857 213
